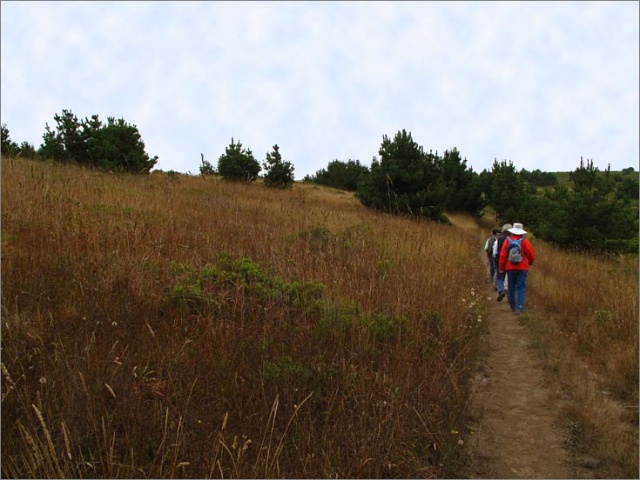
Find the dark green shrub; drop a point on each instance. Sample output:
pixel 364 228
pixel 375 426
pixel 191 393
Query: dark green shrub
pixel 118 146
pixel 238 163
pixel 344 176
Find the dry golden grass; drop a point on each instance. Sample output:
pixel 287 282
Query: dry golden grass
pixel 175 326
pixel 585 322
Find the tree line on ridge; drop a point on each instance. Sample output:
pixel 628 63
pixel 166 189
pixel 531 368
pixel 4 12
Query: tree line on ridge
pixel 594 210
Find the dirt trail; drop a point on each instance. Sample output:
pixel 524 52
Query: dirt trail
pixel 517 435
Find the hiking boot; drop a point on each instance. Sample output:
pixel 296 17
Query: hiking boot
pixel 501 295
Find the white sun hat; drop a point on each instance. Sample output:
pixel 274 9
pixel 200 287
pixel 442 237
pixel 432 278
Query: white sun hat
pixel 517 229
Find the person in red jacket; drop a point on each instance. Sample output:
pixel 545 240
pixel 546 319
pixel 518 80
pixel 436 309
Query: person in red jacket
pixel 516 256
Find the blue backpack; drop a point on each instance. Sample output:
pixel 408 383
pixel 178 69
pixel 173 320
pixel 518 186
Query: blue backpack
pixel 514 255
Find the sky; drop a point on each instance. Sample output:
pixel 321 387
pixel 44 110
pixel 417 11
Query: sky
pixel 539 84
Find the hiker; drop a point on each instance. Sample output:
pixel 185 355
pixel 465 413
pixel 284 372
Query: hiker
pixel 497 248
pixel 488 248
pixel 516 255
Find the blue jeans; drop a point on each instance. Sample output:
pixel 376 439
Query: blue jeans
pixel 517 285
pixel 500 280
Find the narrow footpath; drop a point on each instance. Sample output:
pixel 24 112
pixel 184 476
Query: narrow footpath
pixel 517 433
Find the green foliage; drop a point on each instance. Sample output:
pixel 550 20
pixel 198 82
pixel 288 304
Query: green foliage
pixel 285 371
pixel 238 163
pixel 115 146
pixel 405 180
pixel 319 238
pixel 627 186
pixel 205 291
pixel 341 319
pixel 584 209
pixel 173 176
pixel 463 192
pixel 537 178
pixel 505 191
pixel 27 150
pixel 384 328
pixel 591 215
pixel 342 175
pixel 336 320
pixel 9 147
pixel 206 169
pixel 67 141
pixel 279 173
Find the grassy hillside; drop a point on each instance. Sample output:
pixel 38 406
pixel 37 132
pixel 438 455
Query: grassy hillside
pixel 180 326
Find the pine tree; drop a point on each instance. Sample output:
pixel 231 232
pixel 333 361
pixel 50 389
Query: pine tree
pixel 506 192
pixel 9 147
pixel 279 173
pixel 116 146
pixel 238 163
pixel 462 187
pixel 405 180
pixel 66 142
pixel 590 215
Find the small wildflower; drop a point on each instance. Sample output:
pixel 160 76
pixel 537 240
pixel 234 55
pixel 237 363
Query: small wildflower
pixel 460 442
pixel 43 380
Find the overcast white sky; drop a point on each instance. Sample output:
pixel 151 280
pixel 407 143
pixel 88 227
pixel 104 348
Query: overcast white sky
pixel 538 83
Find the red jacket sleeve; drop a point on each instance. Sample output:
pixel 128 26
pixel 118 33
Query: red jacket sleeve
pixel 528 250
